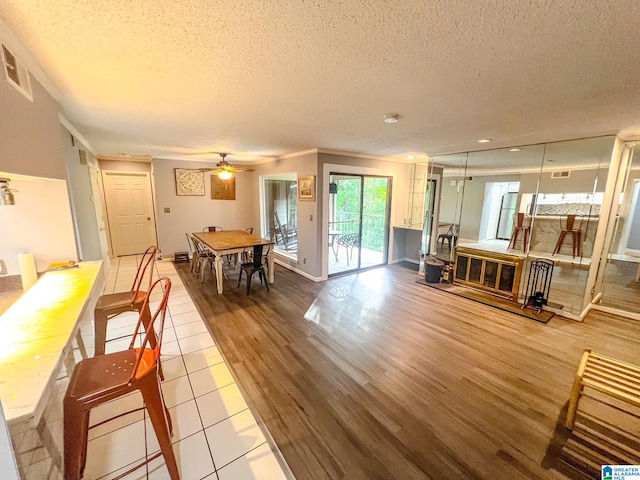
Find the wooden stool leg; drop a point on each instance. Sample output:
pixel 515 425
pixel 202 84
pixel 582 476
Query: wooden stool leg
pixel 559 244
pixel 514 239
pixel 576 391
pixel 150 389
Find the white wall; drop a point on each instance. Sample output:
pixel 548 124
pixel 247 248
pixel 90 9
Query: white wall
pixel 39 222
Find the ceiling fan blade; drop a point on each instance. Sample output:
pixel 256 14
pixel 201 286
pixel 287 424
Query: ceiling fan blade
pixel 236 169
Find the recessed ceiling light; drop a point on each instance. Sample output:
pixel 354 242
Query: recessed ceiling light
pixel 514 149
pixel 484 140
pixel 391 118
pixel 411 157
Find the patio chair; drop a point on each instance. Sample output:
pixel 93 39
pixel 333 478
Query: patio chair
pixel 349 242
pixel 283 234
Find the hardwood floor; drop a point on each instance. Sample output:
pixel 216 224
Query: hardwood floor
pixel 375 376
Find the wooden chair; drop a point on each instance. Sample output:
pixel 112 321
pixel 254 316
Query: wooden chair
pixel 212 229
pixel 605 379
pixel 257 265
pixel 282 231
pixel 349 242
pixel 570 228
pixel 521 224
pixel 113 304
pixel 100 379
pixel 451 236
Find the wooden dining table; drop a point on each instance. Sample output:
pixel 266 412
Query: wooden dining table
pixel 229 242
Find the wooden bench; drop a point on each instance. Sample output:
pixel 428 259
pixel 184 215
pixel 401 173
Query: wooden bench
pixel 609 377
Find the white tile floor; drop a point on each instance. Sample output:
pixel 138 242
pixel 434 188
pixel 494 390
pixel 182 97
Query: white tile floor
pixel 215 434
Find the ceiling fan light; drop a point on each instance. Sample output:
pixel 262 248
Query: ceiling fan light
pixel 224 175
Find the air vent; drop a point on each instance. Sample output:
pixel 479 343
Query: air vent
pixel 16 73
pixel 83 157
pixel 564 174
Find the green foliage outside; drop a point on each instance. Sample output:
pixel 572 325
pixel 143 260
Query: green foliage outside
pixel 374 211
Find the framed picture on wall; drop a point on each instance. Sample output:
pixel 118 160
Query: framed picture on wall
pixel 307 189
pixel 189 182
pixel 223 189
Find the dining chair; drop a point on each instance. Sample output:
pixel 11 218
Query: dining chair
pixel 205 255
pixel 97 380
pixel 194 252
pixel 451 236
pixel 212 229
pixel 256 265
pixel 113 304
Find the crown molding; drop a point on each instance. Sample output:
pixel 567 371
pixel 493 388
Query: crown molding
pixel 73 131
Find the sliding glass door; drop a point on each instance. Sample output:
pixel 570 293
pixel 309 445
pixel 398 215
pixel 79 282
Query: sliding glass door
pixel 358 222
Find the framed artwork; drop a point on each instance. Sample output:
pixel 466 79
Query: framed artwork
pixel 223 189
pixel 189 182
pixel 307 189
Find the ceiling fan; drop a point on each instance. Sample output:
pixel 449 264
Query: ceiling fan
pixel 224 169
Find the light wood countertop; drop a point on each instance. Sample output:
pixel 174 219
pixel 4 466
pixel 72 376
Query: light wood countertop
pixel 37 331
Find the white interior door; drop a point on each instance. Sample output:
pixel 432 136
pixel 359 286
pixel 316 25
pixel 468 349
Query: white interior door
pixel 129 212
pixel 96 189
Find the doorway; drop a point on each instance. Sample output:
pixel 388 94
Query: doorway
pixel 130 213
pixel 508 206
pixel 358 234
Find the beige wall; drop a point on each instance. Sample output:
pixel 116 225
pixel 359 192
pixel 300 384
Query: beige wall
pixel 30 140
pixel 193 213
pixel 302 165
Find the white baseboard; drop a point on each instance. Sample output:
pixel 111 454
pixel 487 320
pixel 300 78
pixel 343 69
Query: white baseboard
pixel 299 272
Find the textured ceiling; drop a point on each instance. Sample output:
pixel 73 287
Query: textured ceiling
pixel 267 78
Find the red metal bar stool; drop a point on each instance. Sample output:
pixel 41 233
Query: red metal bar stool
pixel 575 232
pixel 113 304
pixel 521 224
pixel 103 378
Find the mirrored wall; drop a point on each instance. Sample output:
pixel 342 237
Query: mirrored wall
pixel 617 285
pixel 537 203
